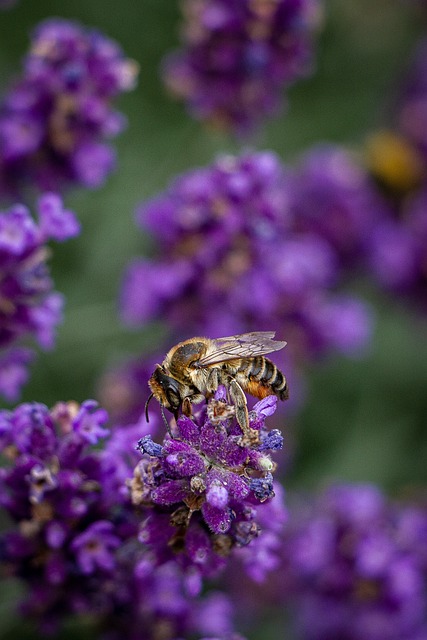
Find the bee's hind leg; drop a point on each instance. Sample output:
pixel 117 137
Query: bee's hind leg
pixel 239 400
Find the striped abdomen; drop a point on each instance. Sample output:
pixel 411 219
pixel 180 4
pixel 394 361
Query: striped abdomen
pixel 260 377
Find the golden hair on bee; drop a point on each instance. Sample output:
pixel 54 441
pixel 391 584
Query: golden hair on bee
pixel 193 369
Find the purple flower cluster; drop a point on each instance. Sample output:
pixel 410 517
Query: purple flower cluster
pixel 411 112
pixel 73 541
pixel 29 308
pixel 238 57
pixel 356 567
pixel 398 160
pixel 399 251
pixel 336 199
pixel 232 258
pixel 54 489
pixel 207 486
pixel 56 119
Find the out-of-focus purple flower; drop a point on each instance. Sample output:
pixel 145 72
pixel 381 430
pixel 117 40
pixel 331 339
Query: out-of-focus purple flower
pixel 398 255
pixel 29 308
pixel 411 111
pixel 94 548
pixel 56 120
pixel 14 364
pixel 73 542
pixel 355 566
pixel 335 198
pixel 89 420
pixel 231 258
pixel 205 487
pixel 263 556
pixel 239 56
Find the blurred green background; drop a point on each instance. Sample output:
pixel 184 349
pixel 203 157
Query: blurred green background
pixel 364 418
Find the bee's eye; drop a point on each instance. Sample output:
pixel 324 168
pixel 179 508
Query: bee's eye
pixel 172 397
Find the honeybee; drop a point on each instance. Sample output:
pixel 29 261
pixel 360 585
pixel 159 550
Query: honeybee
pixel 192 371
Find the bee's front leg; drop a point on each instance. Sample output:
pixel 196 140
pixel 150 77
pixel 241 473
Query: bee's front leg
pixel 186 407
pixel 213 380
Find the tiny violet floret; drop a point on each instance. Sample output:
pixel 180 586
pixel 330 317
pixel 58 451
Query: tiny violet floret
pixel 95 547
pixel 205 486
pixel 89 420
pixel 146 445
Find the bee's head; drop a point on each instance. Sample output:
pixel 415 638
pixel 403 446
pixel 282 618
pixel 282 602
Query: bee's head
pixel 165 389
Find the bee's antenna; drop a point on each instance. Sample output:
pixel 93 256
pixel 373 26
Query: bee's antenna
pixel 146 407
pixel 167 425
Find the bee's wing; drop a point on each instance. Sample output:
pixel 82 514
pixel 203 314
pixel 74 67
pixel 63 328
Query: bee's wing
pixel 246 345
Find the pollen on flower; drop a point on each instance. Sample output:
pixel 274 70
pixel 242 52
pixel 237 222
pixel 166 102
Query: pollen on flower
pixel 205 485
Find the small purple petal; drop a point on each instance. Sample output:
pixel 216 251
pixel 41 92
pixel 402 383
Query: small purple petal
pixel 262 488
pixel 55 221
pixel 217 495
pixel 266 407
pixel 273 441
pixel 146 445
pixel 170 492
pixel 217 519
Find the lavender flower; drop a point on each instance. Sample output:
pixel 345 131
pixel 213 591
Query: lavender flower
pixel 55 119
pixel 28 306
pixel 205 486
pixel 399 251
pixel 238 57
pixel 54 490
pixel 411 112
pixel 73 543
pixel 336 199
pixel 356 567
pixel 231 259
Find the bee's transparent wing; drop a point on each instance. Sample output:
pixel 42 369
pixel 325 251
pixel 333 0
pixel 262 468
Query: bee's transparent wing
pixel 246 345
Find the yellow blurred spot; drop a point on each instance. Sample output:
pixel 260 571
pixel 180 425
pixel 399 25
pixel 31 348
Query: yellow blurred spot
pixel 394 161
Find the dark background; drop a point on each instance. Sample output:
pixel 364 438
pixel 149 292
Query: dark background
pixel 364 418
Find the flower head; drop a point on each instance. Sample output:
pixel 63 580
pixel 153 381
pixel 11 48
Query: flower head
pixel 205 486
pixel 231 258
pixel 398 251
pixel 356 566
pixel 29 308
pixel 73 538
pixel 335 199
pixel 56 119
pixel 238 57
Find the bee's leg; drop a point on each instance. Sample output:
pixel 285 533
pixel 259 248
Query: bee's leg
pixel 239 400
pixel 212 381
pixel 186 407
pixel 250 436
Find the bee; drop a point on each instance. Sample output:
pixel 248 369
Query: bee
pixel 192 371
